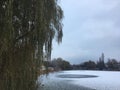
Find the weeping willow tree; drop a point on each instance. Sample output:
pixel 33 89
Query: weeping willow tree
pixel 27 28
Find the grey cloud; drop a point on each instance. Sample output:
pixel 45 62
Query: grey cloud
pixel 90 28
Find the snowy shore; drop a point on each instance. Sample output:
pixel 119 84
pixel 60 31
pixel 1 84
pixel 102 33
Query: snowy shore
pixel 82 80
pixel 62 85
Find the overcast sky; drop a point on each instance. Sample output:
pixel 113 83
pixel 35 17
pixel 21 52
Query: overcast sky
pixel 90 28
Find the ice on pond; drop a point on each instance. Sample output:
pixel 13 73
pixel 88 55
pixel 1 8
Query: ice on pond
pixel 97 80
pixel 106 80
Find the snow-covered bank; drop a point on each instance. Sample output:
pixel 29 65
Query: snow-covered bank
pixel 106 80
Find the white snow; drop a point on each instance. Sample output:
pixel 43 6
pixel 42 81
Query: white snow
pixel 106 80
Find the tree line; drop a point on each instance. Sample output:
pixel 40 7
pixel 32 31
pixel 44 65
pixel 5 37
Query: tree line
pixel 111 65
pixel 58 64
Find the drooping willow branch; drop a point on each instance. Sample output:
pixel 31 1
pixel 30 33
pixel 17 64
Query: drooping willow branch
pixel 27 28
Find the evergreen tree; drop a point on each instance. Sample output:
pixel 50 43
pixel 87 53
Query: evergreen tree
pixel 101 63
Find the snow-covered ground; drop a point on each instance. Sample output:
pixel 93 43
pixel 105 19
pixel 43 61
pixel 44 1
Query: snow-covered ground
pixel 106 80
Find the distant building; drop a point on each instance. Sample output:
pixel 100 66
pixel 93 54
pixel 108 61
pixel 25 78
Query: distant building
pixel 43 67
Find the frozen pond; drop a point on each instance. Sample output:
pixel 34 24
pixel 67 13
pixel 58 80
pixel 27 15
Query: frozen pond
pixel 94 80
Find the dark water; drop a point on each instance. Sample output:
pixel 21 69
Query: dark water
pixel 76 76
